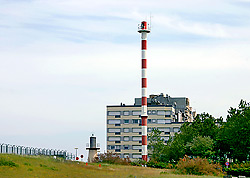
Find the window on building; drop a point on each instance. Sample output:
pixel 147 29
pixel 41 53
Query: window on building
pixel 114 121
pixel 164 129
pixel 168 121
pixel 126 121
pixel 136 156
pixel 135 121
pixel 111 147
pixel 136 130
pixel 149 112
pixel 126 130
pixel 114 138
pixel 153 120
pixel 114 113
pixel 154 112
pixel 126 113
pixel 117 146
pixel 126 155
pixel 136 113
pixel 136 138
pixel 149 121
pixel 114 130
pixel 176 129
pixel 126 139
pixel 136 147
pixel 165 138
pixel 160 121
pixel 168 114
pixel 149 129
pixel 161 113
pixel 114 147
pixel 126 147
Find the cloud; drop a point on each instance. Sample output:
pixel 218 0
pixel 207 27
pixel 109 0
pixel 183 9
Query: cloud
pixel 175 23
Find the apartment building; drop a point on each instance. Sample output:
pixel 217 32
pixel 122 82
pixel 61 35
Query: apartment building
pixel 124 123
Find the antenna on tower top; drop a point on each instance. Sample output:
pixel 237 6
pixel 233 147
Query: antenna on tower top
pixel 150 22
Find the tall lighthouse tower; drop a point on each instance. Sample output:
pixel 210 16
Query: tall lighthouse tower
pixel 143 29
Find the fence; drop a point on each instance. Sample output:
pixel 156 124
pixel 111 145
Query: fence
pixel 22 150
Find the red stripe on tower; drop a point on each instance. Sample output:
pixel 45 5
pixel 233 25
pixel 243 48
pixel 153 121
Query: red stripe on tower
pixel 144 64
pixel 144 139
pixel 144 121
pixel 144 101
pixel 144 82
pixel 143 44
pixel 143 29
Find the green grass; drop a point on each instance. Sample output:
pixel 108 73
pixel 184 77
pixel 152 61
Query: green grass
pixel 46 167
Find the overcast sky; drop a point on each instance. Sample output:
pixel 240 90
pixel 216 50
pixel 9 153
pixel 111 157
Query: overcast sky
pixel 62 62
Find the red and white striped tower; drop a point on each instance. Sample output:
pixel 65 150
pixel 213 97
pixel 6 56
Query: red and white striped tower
pixel 143 29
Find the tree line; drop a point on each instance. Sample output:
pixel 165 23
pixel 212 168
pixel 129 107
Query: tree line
pixel 207 137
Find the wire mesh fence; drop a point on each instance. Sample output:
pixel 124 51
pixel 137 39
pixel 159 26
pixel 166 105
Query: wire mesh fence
pixel 22 150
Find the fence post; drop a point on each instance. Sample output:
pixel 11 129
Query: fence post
pixel 7 147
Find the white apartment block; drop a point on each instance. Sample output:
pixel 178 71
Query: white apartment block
pixel 124 123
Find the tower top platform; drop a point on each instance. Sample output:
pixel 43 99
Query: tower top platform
pixel 143 27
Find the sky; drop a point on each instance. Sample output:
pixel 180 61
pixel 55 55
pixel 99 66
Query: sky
pixel 62 62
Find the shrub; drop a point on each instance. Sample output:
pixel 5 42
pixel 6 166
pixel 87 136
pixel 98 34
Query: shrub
pixel 47 167
pixel 197 166
pixel 241 165
pixel 152 163
pixel 238 171
pixel 43 165
pixel 3 162
pixel 27 164
pixel 160 165
pixel 137 163
pixel 242 169
pixel 111 158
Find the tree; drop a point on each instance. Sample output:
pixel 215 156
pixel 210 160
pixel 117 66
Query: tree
pixel 204 125
pixel 156 145
pixel 201 146
pixel 203 129
pixel 234 136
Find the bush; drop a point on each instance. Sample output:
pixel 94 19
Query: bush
pixel 197 166
pixel 242 169
pixel 152 163
pixel 138 162
pixel 238 171
pixel 160 165
pixel 112 158
pixel 3 162
pixel 241 165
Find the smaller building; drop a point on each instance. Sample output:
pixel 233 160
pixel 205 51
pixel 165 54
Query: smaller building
pixel 92 149
pixel 124 123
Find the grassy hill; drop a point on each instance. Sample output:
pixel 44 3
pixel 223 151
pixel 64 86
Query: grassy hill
pixel 13 166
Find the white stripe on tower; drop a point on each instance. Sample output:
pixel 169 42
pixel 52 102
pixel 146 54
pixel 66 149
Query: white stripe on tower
pixel 144 115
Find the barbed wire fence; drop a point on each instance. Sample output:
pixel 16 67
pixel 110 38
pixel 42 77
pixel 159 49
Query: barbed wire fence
pixel 22 150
